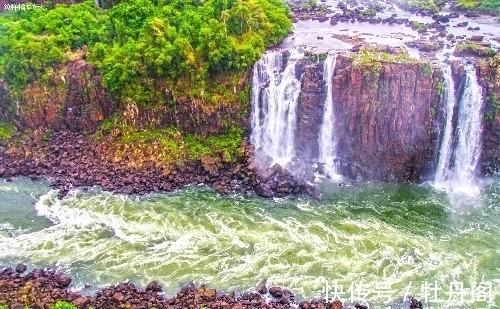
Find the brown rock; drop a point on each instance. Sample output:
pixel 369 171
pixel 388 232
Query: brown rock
pixel 210 293
pixel 21 268
pixel 261 288
pixel 118 296
pixel 336 304
pixel 63 281
pixel 81 302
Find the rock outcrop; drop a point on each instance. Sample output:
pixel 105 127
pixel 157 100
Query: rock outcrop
pixel 386 117
pixel 75 99
pixel 489 74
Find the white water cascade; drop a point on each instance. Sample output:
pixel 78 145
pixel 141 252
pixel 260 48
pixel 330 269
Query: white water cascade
pixel 275 91
pixel 445 152
pixel 326 141
pixel 461 148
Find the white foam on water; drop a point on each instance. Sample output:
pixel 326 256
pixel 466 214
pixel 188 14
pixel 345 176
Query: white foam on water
pixel 176 240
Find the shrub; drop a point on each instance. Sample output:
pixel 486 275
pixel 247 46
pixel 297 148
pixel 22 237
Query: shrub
pixel 61 304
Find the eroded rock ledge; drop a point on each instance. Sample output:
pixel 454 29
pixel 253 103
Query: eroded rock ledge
pixel 69 159
pixel 41 288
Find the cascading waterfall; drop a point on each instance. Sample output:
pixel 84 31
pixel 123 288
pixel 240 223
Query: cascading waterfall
pixel 326 138
pixel 275 92
pixel 446 150
pixel 469 129
pixel 465 151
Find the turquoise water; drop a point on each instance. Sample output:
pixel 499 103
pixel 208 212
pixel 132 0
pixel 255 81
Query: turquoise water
pixel 374 241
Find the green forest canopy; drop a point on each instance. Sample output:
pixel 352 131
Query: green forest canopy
pixel 138 42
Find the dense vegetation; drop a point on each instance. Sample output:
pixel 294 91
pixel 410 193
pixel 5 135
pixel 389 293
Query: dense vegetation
pixel 137 43
pixel 428 5
pixel 151 52
pixel 492 6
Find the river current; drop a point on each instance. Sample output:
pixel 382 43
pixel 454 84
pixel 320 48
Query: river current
pixel 373 241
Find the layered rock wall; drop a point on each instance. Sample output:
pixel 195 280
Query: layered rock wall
pixel 387 117
pixel 74 99
pixel 489 75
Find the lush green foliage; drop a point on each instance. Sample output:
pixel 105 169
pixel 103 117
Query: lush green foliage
pixel 475 48
pixel 429 5
pixel 492 6
pixel 6 131
pixel 35 40
pixel 175 147
pixel 63 305
pixel 143 46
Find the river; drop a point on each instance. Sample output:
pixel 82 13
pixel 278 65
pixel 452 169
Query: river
pixel 372 241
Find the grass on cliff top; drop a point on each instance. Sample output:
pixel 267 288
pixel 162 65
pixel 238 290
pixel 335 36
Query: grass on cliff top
pixel 475 48
pixel 6 130
pixel 370 61
pixel 428 5
pixel 489 6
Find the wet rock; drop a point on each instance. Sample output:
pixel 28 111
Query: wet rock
pixel 336 304
pixel 118 296
pixel 16 306
pixel 425 45
pixel 63 281
pixel 21 268
pixel 415 304
pixel 276 291
pixel 471 14
pixel 261 288
pixel 154 286
pixel 81 302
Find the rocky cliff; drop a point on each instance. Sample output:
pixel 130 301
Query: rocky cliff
pixel 386 116
pixel 74 99
pixel 489 74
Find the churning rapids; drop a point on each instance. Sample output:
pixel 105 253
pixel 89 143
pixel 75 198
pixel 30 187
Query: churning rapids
pixel 405 236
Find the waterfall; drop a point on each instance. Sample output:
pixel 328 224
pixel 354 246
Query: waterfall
pixel 275 91
pixel 469 129
pixel 446 150
pixel 326 139
pixel 461 146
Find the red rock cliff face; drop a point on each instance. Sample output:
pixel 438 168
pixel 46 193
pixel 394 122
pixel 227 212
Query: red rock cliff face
pixel 489 75
pixel 386 119
pixel 74 99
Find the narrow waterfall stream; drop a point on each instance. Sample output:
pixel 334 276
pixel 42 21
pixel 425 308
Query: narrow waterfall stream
pixel 469 129
pixel 461 146
pixel 445 153
pixel 326 139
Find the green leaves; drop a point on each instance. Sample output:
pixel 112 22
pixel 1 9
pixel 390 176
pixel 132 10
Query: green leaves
pixel 137 41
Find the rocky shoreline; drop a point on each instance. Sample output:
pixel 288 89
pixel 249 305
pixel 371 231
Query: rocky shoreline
pixel 42 288
pixel 70 160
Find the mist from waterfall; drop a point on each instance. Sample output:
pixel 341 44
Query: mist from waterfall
pixel 275 92
pixel 326 141
pixel 461 146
